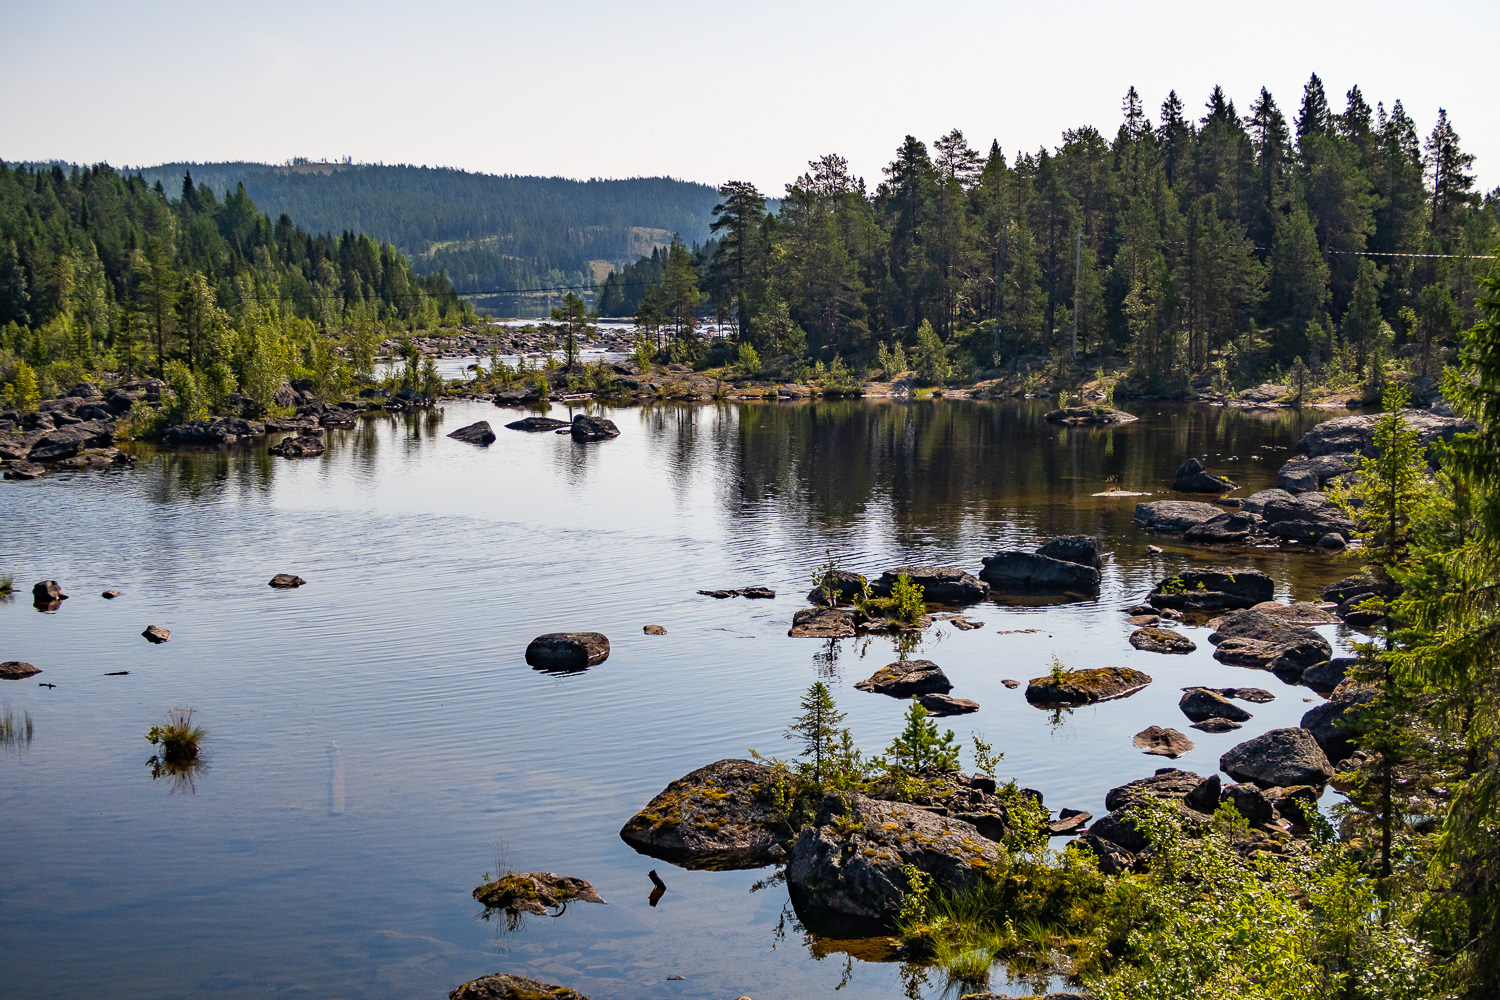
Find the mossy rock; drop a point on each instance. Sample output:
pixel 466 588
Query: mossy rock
pixel 721 816
pixel 502 986
pixel 1085 687
pixel 534 892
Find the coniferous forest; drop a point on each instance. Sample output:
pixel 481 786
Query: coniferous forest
pixel 1244 240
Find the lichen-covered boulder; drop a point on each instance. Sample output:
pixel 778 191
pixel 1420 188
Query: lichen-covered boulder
pixel 1279 758
pixel 905 678
pixel 846 876
pixel 567 650
pixel 1161 640
pixel 1085 687
pixel 502 986
pixel 822 623
pixel 721 816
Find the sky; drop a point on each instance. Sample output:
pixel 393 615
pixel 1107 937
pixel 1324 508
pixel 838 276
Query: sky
pixel 705 91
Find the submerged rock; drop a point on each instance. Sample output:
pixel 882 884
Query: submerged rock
pixel 846 876
pixel 1085 687
pixel 567 650
pixel 535 892
pixel 15 670
pixel 1216 725
pixel 721 816
pixel 284 581
pixel 1163 742
pixel 655 630
pixel 1192 477
pixel 905 678
pixel 1161 640
pixel 502 986
pixel 822 623
pixel 1212 589
pixel 1279 758
pixel 476 433
pixel 942 704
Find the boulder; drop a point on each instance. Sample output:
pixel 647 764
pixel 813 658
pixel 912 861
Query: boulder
pixel 1356 434
pixel 47 592
pixel 1163 742
pixel 1201 704
pixel 110 595
pixel 1332 724
pixel 1306 518
pixel 1084 550
pixel 1251 638
pixel 1012 571
pixel 297 447
pixel 156 634
pixel 1332 542
pixel 840 586
pixel 19 468
pixel 1119 828
pixel 822 623
pixel 1251 802
pixel 1299 612
pixel 1297 805
pixel 1217 725
pixel 655 630
pixel 721 816
pixel 535 892
pixel 476 433
pixel 847 877
pixel 587 428
pixel 1212 589
pixel 1161 640
pixel 1326 676
pixel 535 424
pixel 905 678
pixel 1192 477
pixel 215 433
pixel 567 650
pixel 65 442
pixel 286 581
pixel 1255 503
pixel 1205 795
pixel 940 584
pixel 15 670
pixel 942 704
pixel 1230 528
pixel 1279 758
pixel 1174 515
pixel 1085 687
pixel 502 986
pixel 1302 475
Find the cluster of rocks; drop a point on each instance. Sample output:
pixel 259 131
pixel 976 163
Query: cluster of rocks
pixel 1090 416
pixel 1068 564
pixel 1268 519
pixel 922 680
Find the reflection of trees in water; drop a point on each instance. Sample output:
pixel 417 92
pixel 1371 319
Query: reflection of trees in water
pixel 210 475
pixel 179 774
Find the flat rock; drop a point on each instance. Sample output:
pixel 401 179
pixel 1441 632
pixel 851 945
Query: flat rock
pixel 846 876
pixel 760 593
pixel 1085 550
pixel 535 892
pixel 587 428
pixel 15 670
pixel 1298 612
pixel 940 584
pixel 822 623
pixel 1174 515
pixel 1199 704
pixel 284 581
pixel 1085 687
pixel 1069 822
pixel 156 634
pixel 1256 696
pixel 298 447
pixel 655 630
pixel 502 986
pixel 1192 477
pixel 1217 725
pixel 1230 528
pixel 1089 416
pixel 65 442
pixel 1212 589
pixel 1161 640
pixel 479 433
pixel 20 469
pixel 905 678
pixel 1279 758
pixel 535 424
pixel 1163 742
pixel 1012 571
pixel 1356 434
pixel 567 650
pixel 1011 683
pixel 942 704
pixel 1143 620
pixel 721 816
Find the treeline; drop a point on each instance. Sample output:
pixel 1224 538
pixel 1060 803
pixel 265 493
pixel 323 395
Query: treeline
pixel 102 272
pixel 486 232
pixel 1236 240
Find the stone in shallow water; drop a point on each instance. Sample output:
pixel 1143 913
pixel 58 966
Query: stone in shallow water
pixel 14 670
pixel 1279 758
pixel 156 634
pixel 1216 725
pixel 567 650
pixel 822 623
pixel 655 630
pixel 1161 640
pixel 942 704
pixel 286 581
pixel 1084 687
pixel 1163 742
pixel 476 433
pixel 905 678
pixel 502 986
pixel 535 892
pixel 1201 703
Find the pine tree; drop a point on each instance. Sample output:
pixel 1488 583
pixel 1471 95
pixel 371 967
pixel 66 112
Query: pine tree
pixel 817 729
pixel 920 749
pixel 1314 117
pixel 1450 185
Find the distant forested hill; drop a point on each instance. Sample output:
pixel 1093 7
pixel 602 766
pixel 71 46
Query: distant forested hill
pixel 488 232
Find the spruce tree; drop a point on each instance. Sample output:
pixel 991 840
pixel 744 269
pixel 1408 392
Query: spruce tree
pixel 817 729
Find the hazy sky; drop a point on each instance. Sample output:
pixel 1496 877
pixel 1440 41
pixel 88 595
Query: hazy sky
pixel 705 91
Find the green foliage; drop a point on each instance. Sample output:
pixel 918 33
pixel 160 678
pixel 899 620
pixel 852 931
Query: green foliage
pixel 21 393
pixel 929 356
pixel 914 901
pixel 985 757
pixel 15 727
pixel 748 361
pixel 817 729
pixel 919 749
pixel 177 737
pixel 892 361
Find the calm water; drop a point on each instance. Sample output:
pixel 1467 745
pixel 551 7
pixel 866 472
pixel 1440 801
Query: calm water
pixel 377 743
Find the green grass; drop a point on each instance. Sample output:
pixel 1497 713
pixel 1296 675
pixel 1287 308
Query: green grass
pixel 15 727
pixel 178 738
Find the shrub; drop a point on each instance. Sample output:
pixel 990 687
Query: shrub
pixel 178 738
